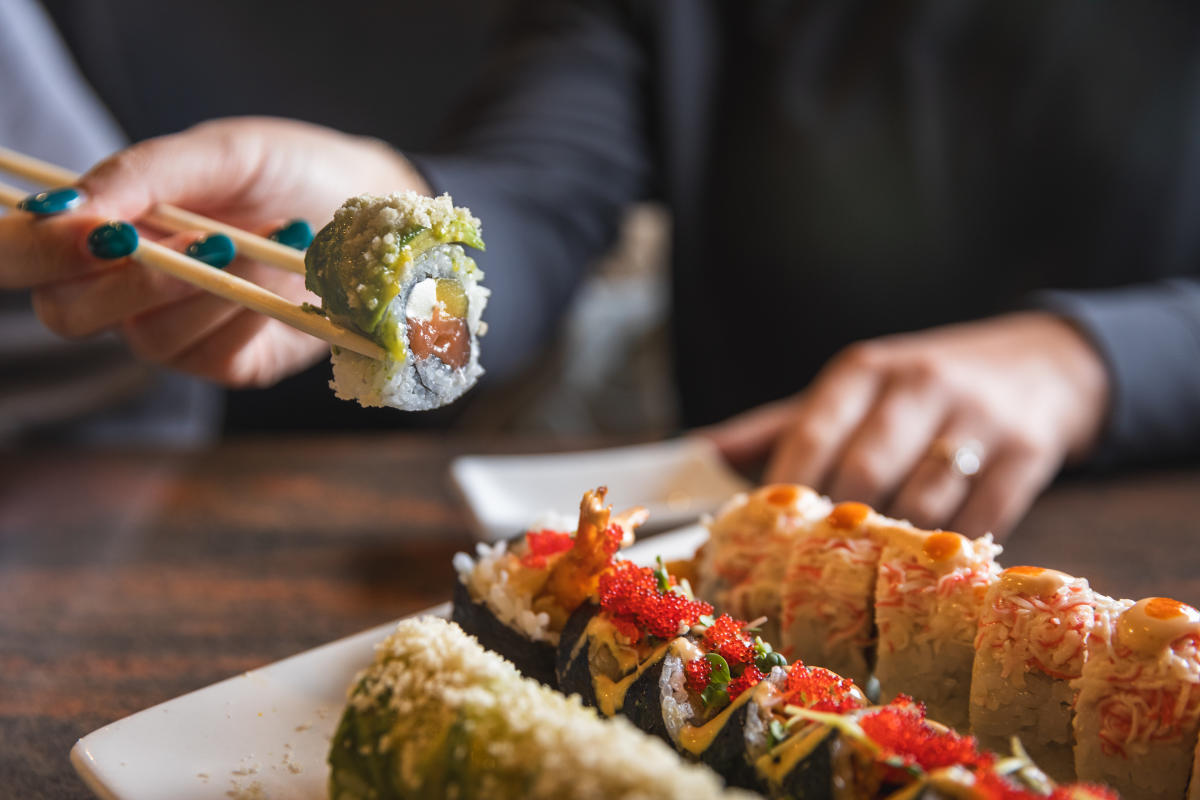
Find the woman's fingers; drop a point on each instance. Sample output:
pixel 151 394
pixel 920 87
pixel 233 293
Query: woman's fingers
pixel 1002 493
pixel 936 488
pixel 207 167
pixel 98 300
pixel 204 169
pixel 37 252
pixel 189 334
pixel 249 350
pixel 825 418
pixel 891 440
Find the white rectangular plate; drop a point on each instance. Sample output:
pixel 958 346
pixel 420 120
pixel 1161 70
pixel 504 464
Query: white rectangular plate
pixel 676 480
pixel 262 734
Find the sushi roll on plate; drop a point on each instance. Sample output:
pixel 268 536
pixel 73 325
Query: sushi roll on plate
pixel 857 752
pixel 742 565
pixel 895 752
pixel 1138 711
pixel 1034 634
pixel 394 269
pixel 928 598
pixel 612 650
pixel 436 715
pixel 796 755
pixel 516 598
pixel 1000 781
pixel 829 591
pixel 716 690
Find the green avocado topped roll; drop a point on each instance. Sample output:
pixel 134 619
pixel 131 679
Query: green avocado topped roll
pixel 394 269
pixel 437 716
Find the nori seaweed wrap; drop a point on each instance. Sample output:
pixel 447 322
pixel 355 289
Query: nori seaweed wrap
pixel 572 668
pixel 725 741
pixel 517 596
pixel 535 659
pixel 802 766
pixel 615 677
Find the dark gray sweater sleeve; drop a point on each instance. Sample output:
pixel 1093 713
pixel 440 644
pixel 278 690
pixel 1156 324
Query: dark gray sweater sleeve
pixel 551 148
pixel 1149 337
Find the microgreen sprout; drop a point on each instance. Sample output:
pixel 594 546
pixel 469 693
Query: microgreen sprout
pixel 664 578
pixel 718 681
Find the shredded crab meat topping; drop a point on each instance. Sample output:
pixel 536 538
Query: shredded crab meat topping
pixel 752 526
pixel 1144 700
pixel 930 605
pixel 825 581
pixel 1047 634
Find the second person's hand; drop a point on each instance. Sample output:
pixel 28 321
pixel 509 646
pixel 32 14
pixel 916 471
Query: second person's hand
pixel 958 427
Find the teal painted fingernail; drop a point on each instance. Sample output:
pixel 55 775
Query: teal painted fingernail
pixel 52 201
pixel 113 239
pixel 297 234
pixel 216 250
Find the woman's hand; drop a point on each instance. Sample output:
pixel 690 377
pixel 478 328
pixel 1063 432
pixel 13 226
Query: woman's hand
pixel 886 420
pixel 255 173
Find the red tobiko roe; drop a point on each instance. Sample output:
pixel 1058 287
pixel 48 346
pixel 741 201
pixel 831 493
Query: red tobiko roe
pixel 820 690
pixel 630 595
pixel 697 672
pixel 900 729
pixel 750 677
pixel 613 536
pixel 540 545
pixel 726 636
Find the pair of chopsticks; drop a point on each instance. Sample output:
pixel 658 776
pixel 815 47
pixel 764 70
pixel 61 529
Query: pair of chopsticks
pixel 201 275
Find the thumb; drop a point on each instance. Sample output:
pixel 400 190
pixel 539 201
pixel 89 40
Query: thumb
pixel 203 168
pixel 750 436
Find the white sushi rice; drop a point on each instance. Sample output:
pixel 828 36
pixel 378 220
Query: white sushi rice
pixel 488 578
pixel 1038 713
pixel 416 384
pixel 677 709
pixel 758 720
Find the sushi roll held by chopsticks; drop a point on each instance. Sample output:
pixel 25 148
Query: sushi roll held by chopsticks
pixel 394 269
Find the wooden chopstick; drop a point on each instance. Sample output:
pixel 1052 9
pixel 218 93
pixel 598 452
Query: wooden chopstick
pixel 162 215
pixel 236 290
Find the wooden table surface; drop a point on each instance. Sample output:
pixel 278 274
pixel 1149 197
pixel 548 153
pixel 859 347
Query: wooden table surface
pixel 130 577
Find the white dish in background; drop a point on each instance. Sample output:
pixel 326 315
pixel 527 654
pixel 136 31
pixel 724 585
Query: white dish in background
pixel 264 733
pixel 676 481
